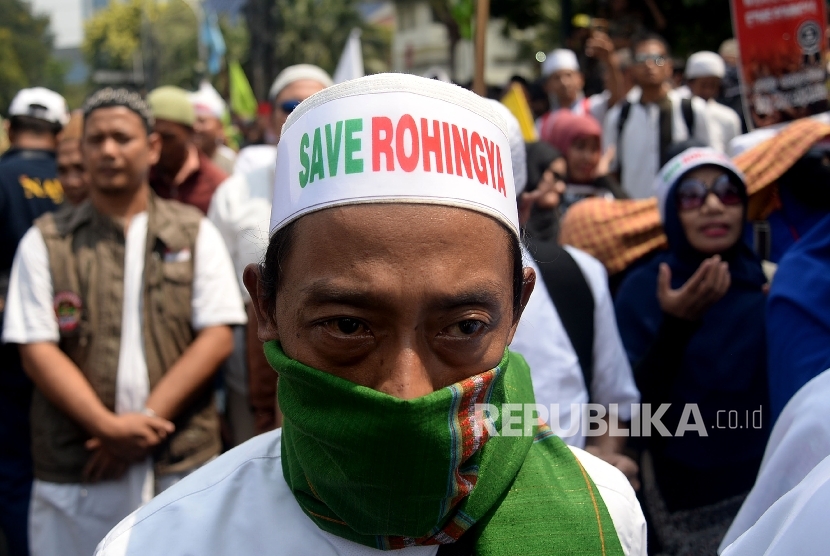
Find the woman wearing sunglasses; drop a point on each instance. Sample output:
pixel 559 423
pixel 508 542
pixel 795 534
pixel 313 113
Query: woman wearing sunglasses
pixel 692 322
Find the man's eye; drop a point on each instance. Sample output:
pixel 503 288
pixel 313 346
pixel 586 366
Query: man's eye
pixel 465 328
pixel 345 326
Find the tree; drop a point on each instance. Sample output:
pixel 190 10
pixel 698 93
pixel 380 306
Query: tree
pixel 163 37
pixel 25 52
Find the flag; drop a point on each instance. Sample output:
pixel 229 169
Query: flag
pixel 211 37
pixel 243 101
pixel 516 101
pixel 350 65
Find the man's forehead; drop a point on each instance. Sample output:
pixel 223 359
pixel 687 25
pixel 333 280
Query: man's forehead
pixel 111 117
pixel 650 47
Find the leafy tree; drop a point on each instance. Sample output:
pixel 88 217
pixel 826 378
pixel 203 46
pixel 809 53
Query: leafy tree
pixel 315 32
pixel 163 36
pixel 25 52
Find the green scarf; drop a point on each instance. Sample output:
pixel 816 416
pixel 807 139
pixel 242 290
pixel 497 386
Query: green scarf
pixel 390 473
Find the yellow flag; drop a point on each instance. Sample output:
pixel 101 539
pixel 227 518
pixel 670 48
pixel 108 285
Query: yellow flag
pixel 516 101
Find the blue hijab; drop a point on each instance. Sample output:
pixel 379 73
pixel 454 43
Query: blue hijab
pixel 723 367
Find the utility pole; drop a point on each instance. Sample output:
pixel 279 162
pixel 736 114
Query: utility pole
pixel 482 19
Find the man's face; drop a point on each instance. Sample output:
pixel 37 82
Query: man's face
pixel 207 133
pixel 408 300
pixel 291 94
pixel 565 85
pixel 117 152
pixel 705 87
pixel 175 141
pixel 652 66
pixel 71 170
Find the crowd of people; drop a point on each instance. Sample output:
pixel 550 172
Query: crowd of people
pixel 645 262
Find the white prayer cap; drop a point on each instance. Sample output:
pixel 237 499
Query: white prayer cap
pixel 297 73
pixel 394 138
pixel 208 102
pixel 40 103
pixel 685 162
pixel 705 64
pixel 559 59
pixel 518 151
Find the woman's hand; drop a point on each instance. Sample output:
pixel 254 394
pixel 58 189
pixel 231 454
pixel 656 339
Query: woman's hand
pixel 707 285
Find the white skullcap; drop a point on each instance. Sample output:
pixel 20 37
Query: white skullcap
pixel 208 102
pixel 705 64
pixel 40 103
pixel 394 138
pixel 297 73
pixel 518 151
pixel 559 59
pixel 684 162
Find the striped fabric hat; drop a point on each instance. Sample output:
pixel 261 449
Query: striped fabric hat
pixel 765 163
pixel 616 232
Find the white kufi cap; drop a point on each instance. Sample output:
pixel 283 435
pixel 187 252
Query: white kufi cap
pixel 394 138
pixel 705 64
pixel 297 73
pixel 208 101
pixel 559 59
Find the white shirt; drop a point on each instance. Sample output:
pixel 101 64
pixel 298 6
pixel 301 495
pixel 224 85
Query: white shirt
pixel 254 157
pixel 800 440
pixel 724 123
pixel 796 525
pixel 240 504
pixel 557 377
pixel 241 211
pixel 70 519
pixel 639 147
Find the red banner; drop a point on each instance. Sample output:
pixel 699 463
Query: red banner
pixel 782 48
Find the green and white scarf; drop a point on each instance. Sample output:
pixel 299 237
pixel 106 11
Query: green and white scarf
pixel 390 473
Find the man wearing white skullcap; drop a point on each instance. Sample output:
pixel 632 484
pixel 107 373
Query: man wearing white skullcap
pixel 704 77
pixel 209 132
pixel 240 210
pixel 392 285
pixel 564 81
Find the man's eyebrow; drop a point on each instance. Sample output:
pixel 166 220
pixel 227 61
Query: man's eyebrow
pixel 324 292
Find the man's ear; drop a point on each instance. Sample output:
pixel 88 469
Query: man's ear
pixel 528 283
pixel 266 325
pixel 154 139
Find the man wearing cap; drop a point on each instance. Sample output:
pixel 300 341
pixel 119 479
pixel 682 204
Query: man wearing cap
pixel 564 81
pixel 293 85
pixel 183 172
pixel 120 309
pixel 28 188
pixel 392 285
pixel 704 78
pixel 209 132
pixel 240 211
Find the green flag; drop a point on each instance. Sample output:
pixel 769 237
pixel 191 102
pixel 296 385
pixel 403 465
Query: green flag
pixel 243 101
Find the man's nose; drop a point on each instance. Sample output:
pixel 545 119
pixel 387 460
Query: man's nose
pixel 404 374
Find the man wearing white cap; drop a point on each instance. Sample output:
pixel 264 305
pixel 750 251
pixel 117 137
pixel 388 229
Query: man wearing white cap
pixel 704 77
pixel 209 133
pixel 28 188
pixel 564 81
pixel 392 285
pixel 240 209
pixel 293 85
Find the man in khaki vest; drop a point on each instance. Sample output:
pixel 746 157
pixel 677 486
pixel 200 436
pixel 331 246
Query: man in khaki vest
pixel 121 307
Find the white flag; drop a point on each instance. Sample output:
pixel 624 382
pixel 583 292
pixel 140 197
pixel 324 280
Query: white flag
pixel 350 65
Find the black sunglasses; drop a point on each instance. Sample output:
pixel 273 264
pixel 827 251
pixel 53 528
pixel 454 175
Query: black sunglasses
pixel 692 193
pixel 288 106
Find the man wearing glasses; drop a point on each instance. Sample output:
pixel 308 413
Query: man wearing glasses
pixel 643 130
pixel 240 209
